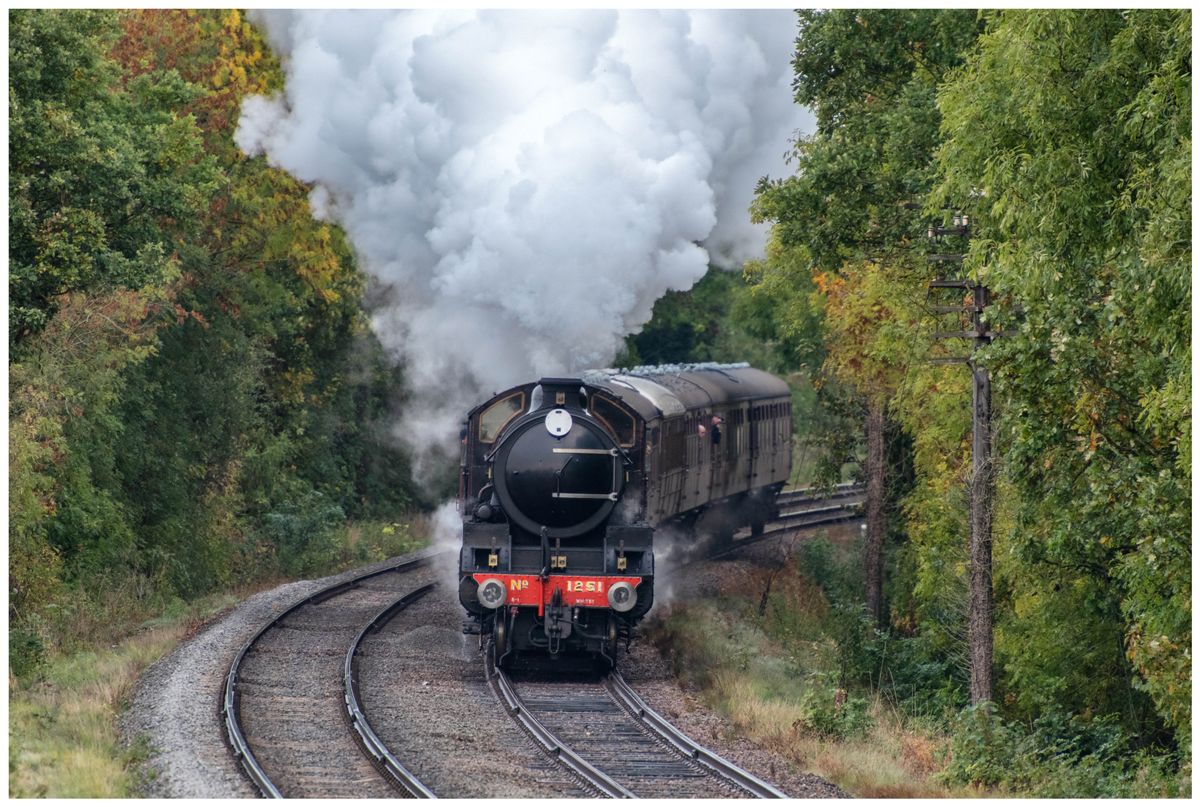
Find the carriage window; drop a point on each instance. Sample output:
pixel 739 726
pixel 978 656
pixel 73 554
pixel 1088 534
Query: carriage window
pixel 618 420
pixel 497 416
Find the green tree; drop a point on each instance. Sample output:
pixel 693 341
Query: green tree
pixel 104 177
pixel 193 364
pixel 1069 134
pixel 700 324
pixel 853 208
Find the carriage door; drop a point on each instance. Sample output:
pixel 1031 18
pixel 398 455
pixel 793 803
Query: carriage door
pixel 755 443
pixel 716 444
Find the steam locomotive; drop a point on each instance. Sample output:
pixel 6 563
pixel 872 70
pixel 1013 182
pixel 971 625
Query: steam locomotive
pixel 565 483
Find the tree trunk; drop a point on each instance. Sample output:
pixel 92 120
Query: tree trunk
pixel 979 625
pixel 873 552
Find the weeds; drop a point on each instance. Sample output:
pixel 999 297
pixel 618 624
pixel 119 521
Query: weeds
pixel 789 703
pixel 789 656
pixel 1057 756
pixel 63 737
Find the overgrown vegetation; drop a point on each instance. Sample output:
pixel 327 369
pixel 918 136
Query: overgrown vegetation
pixel 63 740
pixel 789 654
pixel 197 402
pixel 1065 137
pixel 196 399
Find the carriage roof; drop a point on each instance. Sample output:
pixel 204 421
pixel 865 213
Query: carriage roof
pixel 676 388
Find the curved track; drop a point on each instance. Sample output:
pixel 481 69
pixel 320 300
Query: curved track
pixel 295 734
pixel 605 735
pixel 384 759
pixel 803 509
pixel 284 706
pixel 789 497
pixel 631 702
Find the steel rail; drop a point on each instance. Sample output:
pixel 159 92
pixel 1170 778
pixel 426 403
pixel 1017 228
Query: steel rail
pixel 685 746
pixel 814 493
pixel 819 517
pixel 799 501
pixel 820 512
pixel 230 704
pixel 825 516
pixel 545 740
pixel 382 756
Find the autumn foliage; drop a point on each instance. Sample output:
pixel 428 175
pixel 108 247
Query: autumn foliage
pixel 1065 137
pixel 193 383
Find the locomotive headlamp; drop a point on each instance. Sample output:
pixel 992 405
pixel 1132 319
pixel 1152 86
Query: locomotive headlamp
pixel 559 422
pixel 492 593
pixel 621 596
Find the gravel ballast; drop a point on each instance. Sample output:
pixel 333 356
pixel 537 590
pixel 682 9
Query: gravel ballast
pixel 176 706
pixel 424 691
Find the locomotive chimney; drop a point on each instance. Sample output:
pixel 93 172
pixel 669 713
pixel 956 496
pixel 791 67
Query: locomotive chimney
pixel 551 393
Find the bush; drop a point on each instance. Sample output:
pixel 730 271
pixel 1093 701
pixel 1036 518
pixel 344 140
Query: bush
pixel 840 577
pixel 833 714
pixel 305 533
pixel 26 651
pixel 1058 755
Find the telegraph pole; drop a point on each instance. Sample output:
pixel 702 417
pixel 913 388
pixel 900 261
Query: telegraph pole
pixel 982 488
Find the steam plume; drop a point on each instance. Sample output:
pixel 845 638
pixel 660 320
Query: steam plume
pixel 526 185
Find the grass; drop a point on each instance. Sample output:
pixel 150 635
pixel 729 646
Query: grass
pixel 767 696
pixel 776 655
pixel 765 664
pixel 62 727
pixel 371 541
pixel 887 760
pixel 62 724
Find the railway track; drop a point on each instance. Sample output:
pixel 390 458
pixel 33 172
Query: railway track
pixel 384 759
pixel 297 734
pixel 291 708
pixel 601 731
pixel 797 497
pixel 604 734
pixel 803 508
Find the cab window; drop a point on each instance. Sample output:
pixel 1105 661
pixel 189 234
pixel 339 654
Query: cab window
pixel 497 416
pixel 619 421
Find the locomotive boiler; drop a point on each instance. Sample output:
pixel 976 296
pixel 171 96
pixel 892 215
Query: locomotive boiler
pixel 567 483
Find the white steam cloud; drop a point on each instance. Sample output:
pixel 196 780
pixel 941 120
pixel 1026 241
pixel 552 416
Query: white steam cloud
pixel 526 184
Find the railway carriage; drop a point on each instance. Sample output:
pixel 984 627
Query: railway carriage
pixel 567 483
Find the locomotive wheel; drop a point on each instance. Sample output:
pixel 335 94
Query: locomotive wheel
pixel 611 642
pixel 499 635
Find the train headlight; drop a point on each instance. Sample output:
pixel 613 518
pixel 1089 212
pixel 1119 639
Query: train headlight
pixel 621 596
pixel 492 593
pixel 559 422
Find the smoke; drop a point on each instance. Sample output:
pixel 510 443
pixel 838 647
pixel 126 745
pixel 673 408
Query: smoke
pixel 446 532
pixel 526 184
